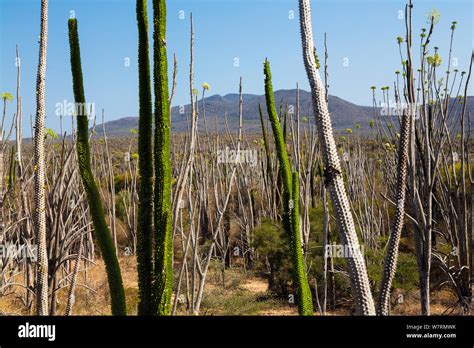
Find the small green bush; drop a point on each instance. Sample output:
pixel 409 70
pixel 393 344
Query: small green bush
pixel 272 246
pixel 406 276
pixel 271 243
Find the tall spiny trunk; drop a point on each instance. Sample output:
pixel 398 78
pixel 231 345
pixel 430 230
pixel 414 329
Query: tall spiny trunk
pixel 390 262
pixel 163 272
pixel 11 173
pixel 145 163
pixel 305 304
pixel 332 170
pixel 290 194
pixel 267 147
pixel 39 171
pixel 101 230
pixel 71 298
pixel 326 254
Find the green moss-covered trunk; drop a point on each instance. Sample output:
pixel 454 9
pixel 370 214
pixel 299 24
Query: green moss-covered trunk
pixel 290 214
pixel 163 271
pixel 12 172
pixel 285 170
pixel 101 230
pixel 145 164
pixel 305 303
pixel 266 145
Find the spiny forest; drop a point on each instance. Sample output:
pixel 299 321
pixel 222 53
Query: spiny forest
pixel 294 219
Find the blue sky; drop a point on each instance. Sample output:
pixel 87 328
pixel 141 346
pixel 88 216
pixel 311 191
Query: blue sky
pixel 360 33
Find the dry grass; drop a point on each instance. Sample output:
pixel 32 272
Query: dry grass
pixel 441 302
pixel 243 294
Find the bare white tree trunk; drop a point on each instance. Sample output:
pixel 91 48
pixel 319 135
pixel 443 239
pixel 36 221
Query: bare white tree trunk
pixel 70 296
pixel 332 170
pixel 390 262
pixel 39 168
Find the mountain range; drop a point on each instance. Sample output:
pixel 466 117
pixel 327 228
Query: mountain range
pixel 344 114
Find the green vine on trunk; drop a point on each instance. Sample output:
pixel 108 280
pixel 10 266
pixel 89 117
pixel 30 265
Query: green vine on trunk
pixel 290 201
pixel 305 304
pixel 145 164
pixel 163 272
pixel 102 232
